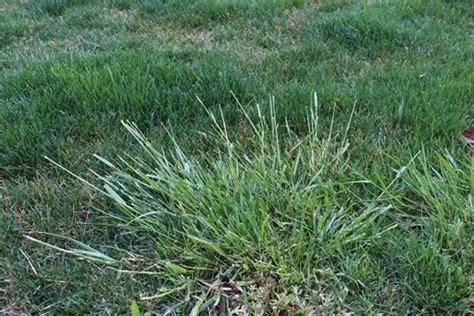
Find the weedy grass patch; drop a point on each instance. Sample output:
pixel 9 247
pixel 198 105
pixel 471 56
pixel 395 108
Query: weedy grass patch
pixel 276 222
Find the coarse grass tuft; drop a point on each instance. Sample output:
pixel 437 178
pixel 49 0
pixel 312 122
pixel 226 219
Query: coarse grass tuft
pixel 274 220
pixel 272 206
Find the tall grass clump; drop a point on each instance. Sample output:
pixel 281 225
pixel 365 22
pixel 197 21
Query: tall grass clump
pixel 256 222
pixel 430 257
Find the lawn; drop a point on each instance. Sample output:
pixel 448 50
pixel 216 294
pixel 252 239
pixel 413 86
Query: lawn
pixel 236 156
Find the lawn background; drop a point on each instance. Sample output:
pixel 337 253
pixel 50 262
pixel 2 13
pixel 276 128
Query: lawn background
pixel 71 70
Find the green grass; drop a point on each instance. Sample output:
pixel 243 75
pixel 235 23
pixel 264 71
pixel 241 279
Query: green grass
pixel 376 217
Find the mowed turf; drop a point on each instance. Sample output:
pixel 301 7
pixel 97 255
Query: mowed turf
pixel 398 73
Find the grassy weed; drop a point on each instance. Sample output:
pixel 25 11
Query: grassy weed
pixel 275 222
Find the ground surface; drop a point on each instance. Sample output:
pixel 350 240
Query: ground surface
pixel 72 70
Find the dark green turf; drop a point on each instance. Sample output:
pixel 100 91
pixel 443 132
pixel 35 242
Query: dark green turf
pixel 70 70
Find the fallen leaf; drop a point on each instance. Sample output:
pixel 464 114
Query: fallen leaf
pixel 467 136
